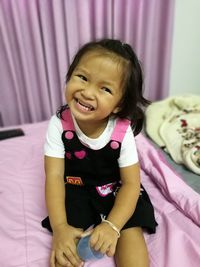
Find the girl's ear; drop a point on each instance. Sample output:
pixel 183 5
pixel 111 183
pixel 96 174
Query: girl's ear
pixel 116 110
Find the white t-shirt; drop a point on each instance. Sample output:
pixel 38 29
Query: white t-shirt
pixel 54 146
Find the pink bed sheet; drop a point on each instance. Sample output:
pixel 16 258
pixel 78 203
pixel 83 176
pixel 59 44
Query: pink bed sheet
pixel 24 243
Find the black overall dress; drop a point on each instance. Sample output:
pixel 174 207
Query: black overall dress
pixel 92 179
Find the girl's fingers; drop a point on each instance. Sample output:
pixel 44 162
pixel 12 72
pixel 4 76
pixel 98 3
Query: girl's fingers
pixel 72 257
pixel 58 265
pixel 53 259
pixel 111 251
pixel 86 233
pixel 98 245
pixel 104 247
pixel 94 239
pixel 61 259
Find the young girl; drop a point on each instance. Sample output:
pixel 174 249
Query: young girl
pixel 91 163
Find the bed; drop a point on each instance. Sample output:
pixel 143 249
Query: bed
pixel 24 243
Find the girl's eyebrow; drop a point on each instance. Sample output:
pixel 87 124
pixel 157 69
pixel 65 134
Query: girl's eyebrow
pixel 82 69
pixel 108 83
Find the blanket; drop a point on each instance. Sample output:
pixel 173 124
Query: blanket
pixel 174 124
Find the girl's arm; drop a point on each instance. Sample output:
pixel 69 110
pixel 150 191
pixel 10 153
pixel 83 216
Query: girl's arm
pixel 127 196
pixel 64 235
pixel 55 191
pixel 104 238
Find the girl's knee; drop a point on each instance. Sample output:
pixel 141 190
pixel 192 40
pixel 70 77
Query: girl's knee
pixel 131 249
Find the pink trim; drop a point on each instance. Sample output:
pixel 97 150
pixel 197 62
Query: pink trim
pixel 67 122
pixel 117 135
pixel 120 130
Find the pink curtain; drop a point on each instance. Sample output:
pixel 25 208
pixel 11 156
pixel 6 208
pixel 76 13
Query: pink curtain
pixel 38 39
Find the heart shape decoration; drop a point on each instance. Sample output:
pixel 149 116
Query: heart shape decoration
pixel 68 155
pixel 80 154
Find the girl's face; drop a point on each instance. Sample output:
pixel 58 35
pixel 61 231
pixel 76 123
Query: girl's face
pixel 94 90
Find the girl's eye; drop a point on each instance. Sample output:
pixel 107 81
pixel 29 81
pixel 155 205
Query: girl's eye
pixel 106 89
pixel 82 77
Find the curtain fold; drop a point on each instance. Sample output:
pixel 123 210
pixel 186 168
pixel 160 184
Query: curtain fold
pixel 39 38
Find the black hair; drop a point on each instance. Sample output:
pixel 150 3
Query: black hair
pixel 132 103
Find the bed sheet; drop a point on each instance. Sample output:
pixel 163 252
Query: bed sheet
pixel 191 178
pixel 24 243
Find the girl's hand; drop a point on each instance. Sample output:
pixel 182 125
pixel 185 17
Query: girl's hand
pixel 65 238
pixel 104 239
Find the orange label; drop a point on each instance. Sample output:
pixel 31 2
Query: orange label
pixel 74 180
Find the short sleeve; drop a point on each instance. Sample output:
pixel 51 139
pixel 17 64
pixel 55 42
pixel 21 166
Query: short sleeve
pixel 54 146
pixel 128 154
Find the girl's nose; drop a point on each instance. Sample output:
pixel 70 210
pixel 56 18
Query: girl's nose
pixel 88 92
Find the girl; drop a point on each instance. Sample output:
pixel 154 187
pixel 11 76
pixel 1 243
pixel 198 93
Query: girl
pixel 91 163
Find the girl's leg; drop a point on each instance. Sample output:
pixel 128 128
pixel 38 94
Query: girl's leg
pixel 131 249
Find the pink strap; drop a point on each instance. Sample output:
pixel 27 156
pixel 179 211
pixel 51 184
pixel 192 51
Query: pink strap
pixel 67 121
pixel 117 135
pixel 120 130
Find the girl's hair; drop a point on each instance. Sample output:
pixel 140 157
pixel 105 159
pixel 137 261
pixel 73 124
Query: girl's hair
pixel 132 102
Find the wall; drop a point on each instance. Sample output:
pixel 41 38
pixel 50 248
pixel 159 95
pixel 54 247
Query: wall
pixel 185 65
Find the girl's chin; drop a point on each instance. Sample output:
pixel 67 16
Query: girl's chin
pixel 79 114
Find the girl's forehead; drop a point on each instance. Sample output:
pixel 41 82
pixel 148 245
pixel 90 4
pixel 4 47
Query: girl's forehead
pixel 102 67
pixel 102 59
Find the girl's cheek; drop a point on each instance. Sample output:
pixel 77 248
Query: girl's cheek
pixel 66 93
pixel 65 90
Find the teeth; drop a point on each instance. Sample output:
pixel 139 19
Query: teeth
pixel 86 107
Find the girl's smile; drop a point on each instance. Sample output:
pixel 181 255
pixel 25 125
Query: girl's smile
pixel 84 106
